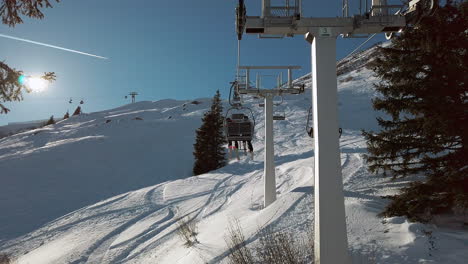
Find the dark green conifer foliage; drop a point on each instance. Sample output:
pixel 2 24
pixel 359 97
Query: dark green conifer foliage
pixel 51 121
pixel 10 12
pixel 77 111
pixel 209 150
pixel 424 91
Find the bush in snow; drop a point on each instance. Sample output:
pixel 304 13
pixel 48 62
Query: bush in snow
pixel 66 116
pixel 187 230
pixel 4 259
pixel 279 247
pixel 282 247
pixel 238 251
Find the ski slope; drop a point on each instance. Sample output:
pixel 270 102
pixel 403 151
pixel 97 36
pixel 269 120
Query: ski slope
pixel 54 170
pixel 89 190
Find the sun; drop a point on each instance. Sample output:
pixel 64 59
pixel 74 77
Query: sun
pixel 36 84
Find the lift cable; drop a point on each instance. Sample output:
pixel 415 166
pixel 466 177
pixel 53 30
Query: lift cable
pixel 238 58
pixel 362 44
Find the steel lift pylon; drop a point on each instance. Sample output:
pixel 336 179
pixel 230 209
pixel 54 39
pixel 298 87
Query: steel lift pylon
pixel 286 20
pixel 243 87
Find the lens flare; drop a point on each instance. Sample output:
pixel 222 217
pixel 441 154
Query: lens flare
pixel 22 80
pixel 36 84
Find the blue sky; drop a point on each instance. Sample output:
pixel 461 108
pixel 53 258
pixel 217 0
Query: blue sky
pixel 180 49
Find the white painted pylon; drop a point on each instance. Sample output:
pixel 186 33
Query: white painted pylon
pixel 269 164
pixel 330 241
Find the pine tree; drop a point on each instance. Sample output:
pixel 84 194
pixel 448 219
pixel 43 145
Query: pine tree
pixel 11 10
pixel 66 116
pixel 51 121
pixel 77 111
pixel 11 87
pixel 424 91
pixel 209 148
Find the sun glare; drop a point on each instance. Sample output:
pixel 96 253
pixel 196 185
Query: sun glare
pixel 36 84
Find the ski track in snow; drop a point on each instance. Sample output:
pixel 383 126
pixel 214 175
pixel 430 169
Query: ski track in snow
pixel 103 215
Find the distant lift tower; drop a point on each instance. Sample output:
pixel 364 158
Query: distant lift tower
pixel 243 87
pixel 285 19
pixel 133 95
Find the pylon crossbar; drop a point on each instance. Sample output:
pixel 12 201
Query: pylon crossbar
pixel 269 67
pixel 340 25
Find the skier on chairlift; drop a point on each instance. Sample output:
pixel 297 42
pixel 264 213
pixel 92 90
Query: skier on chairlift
pixel 234 148
pixel 233 145
pixel 249 142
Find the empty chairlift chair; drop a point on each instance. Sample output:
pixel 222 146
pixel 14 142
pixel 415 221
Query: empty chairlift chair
pixel 280 116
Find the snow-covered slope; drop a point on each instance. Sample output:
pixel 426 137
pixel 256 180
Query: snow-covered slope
pixel 48 172
pixel 85 159
pixel 13 128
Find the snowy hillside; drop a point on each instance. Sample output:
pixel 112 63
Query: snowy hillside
pixel 51 171
pixel 13 128
pixel 54 181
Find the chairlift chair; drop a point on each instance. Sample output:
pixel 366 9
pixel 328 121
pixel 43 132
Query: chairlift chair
pixel 279 116
pixel 238 126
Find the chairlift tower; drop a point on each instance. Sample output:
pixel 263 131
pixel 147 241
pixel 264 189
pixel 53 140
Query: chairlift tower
pixel 243 87
pixel 133 95
pixel 286 20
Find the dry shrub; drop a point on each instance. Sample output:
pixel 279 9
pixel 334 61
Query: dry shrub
pixel 347 79
pixel 5 259
pixel 235 240
pixel 273 247
pixel 187 230
pixel 281 248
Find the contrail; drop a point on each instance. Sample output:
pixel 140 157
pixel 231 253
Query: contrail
pixel 52 46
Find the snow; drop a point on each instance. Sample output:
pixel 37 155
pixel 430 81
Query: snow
pixel 13 128
pixel 89 190
pixel 87 158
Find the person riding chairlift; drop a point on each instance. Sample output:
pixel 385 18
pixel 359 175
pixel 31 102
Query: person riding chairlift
pixel 233 145
pixel 249 142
